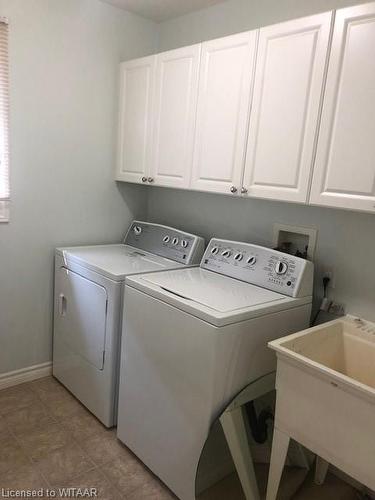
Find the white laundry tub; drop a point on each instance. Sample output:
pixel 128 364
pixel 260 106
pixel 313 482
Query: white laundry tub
pixel 325 386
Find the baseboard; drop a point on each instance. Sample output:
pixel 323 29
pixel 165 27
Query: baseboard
pixel 25 375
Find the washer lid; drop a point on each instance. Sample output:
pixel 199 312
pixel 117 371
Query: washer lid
pixel 218 292
pixel 212 297
pixel 115 261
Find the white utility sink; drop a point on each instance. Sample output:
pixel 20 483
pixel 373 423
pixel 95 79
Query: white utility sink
pixel 345 346
pixel 325 385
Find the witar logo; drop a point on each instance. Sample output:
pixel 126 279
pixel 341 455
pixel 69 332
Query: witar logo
pixel 78 492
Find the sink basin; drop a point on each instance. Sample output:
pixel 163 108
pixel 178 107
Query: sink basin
pixel 346 346
pixel 325 395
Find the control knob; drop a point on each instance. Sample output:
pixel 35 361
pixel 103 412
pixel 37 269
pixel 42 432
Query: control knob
pixel 214 250
pixel 281 267
pixel 137 230
pixel 227 253
pixel 184 243
pixel 252 260
pixel 175 241
pixel 238 257
pixel 166 239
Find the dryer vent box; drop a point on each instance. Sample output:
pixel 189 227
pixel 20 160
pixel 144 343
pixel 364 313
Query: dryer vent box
pixel 295 240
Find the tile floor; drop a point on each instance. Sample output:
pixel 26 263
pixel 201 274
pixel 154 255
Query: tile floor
pixel 49 440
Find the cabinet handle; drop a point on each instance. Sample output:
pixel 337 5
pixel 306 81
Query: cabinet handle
pixel 233 189
pixel 243 190
pixel 150 179
pixel 144 179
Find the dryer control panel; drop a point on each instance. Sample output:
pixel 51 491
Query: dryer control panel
pixel 166 242
pixel 260 266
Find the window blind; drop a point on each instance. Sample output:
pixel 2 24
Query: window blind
pixel 4 120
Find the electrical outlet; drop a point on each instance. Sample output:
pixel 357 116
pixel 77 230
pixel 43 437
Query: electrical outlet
pixel 337 309
pixel 330 273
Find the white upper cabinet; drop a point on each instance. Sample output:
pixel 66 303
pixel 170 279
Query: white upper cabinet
pixel 135 123
pixel 225 85
pixel 288 86
pixel 345 163
pixel 176 90
pixel 286 112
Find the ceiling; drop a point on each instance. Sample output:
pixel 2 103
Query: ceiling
pixel 162 10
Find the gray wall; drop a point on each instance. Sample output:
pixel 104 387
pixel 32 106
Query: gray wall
pixel 234 16
pixel 346 240
pixel 64 57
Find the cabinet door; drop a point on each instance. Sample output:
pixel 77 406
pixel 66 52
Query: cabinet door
pixel 134 142
pixel 175 112
pixel 344 173
pixel 287 95
pixel 225 85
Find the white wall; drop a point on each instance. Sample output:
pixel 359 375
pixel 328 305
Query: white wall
pixel 64 57
pixel 346 240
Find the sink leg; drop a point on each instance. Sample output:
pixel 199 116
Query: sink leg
pixel 234 427
pixel 280 444
pixel 321 468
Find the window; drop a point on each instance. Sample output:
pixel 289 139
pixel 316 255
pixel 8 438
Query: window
pixel 4 122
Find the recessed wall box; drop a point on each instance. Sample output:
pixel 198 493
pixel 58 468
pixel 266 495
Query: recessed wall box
pixel 295 240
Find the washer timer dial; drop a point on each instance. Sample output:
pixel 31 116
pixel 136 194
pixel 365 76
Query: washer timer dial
pixel 281 267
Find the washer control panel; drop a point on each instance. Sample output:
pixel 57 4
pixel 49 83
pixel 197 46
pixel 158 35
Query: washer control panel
pixel 260 266
pixel 166 242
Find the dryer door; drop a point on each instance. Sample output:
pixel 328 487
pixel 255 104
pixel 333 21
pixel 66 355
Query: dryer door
pixel 80 318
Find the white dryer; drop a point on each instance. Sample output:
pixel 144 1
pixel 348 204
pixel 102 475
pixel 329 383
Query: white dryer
pixel 89 285
pixel 201 338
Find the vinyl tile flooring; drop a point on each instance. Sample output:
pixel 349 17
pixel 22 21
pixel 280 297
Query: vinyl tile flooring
pixel 49 441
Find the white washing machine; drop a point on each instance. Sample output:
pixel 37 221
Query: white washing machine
pixel 89 285
pixel 201 338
